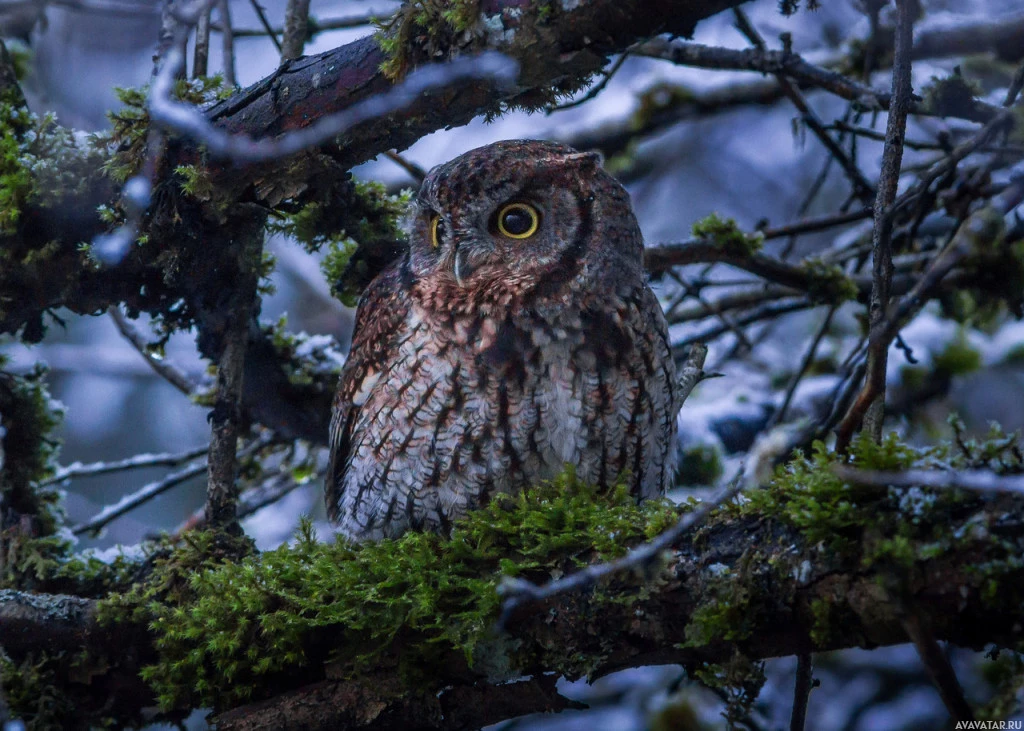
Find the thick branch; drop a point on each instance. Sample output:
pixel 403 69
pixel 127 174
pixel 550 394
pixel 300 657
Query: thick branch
pixel 769 583
pixel 654 630
pixel 566 49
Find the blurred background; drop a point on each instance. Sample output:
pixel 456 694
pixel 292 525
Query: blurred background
pixel 752 163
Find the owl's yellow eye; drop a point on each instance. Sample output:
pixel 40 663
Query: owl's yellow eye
pixel 518 220
pixel 436 230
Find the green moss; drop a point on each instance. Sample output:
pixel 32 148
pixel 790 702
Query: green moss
pixel 1005 673
pixel 699 465
pixel 227 631
pixel 828 283
pixel 432 23
pixel 913 377
pixel 1014 355
pixel 30 421
pixel 15 180
pixel 727 616
pixel 951 95
pixel 958 358
pixel 364 213
pixel 725 234
pixel 32 689
pixel 808 495
pixel 656 100
pixel 129 131
pixel 196 181
pixel 741 680
pixel 354 227
pixel 41 163
pixel 821 628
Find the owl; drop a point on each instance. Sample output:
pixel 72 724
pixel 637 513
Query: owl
pixel 516 335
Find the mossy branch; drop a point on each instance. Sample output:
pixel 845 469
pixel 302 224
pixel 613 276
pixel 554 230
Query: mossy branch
pixel 378 635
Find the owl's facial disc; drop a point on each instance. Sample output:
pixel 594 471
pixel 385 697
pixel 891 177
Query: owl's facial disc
pixel 515 214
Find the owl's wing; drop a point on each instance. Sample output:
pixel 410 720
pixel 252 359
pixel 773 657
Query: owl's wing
pixel 380 320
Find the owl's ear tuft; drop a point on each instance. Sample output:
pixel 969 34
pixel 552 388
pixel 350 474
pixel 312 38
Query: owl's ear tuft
pixel 586 160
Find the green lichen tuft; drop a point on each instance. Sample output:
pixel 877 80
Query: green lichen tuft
pixel 828 283
pixel 129 130
pixel 359 229
pixel 30 419
pixel 195 181
pixel 1005 673
pixel 958 358
pixel 429 24
pixel 994 271
pixel 232 630
pixel 725 234
pixel 952 95
pixel 657 100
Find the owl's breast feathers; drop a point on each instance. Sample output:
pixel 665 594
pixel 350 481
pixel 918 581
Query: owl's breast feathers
pixel 445 401
pixel 380 318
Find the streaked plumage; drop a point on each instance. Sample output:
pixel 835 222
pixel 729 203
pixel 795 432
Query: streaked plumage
pixel 489 362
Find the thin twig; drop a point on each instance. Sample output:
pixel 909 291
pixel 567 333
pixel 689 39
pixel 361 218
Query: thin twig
pixel 938 666
pixel 862 188
pixel 415 171
pixel 1016 84
pixel 254 498
pixel 795 67
pixel 138 461
pixel 819 223
pixel 768 311
pixel 595 89
pixel 756 294
pixel 713 308
pixel 805 365
pixel 869 407
pixel 267 29
pixel 977 480
pixel 227 41
pixel 315 26
pixel 802 692
pixel 201 51
pixel 152 489
pixel 1002 121
pixel 296 26
pixel 133 500
pixel 518 592
pixel 166 370
pixel 979 230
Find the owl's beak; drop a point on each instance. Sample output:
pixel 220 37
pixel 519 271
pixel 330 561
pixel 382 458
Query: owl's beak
pixel 462 264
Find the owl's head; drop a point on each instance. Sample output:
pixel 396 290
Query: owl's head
pixel 523 214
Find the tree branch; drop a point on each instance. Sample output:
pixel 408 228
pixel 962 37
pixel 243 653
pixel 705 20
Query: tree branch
pixel 792 65
pixel 781 578
pixel 296 25
pixel 870 404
